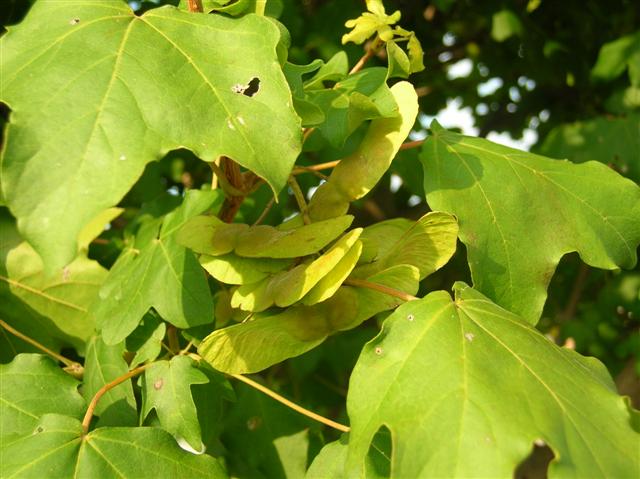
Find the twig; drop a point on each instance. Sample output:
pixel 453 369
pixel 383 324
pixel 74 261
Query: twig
pixel 574 299
pixel 373 48
pixel 226 186
pixel 103 390
pixel 299 196
pixel 67 362
pixel 195 6
pixel 292 405
pixel 265 212
pixel 411 144
pixel 361 283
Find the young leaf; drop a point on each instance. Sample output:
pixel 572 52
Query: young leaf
pixel 519 213
pixel 103 364
pixel 271 338
pixel 374 21
pixel 163 275
pixel 357 174
pixel 32 385
pixel 64 297
pixel 58 445
pixel 125 90
pixel 454 382
pixel 166 387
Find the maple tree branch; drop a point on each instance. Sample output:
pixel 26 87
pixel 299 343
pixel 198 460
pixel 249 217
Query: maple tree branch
pixel 299 196
pixel 290 404
pixel 66 361
pixel 361 283
pixel 411 144
pixel 106 388
pixel 265 211
pixel 373 48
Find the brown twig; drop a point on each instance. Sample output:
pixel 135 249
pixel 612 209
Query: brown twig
pixel 411 144
pixel 86 421
pixel 361 283
pixel 371 51
pixel 72 365
pixel 265 211
pixel 290 404
pixel 195 6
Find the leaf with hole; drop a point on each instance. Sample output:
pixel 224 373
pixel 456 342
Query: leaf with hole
pixel 98 92
pixel 456 422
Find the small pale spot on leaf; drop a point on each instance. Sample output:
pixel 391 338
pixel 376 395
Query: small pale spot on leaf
pixel 254 423
pixel 410 317
pixel 74 21
pixel 469 336
pixel 158 384
pixel 378 350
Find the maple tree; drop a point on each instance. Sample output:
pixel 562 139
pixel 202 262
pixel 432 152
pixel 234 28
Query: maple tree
pixel 184 292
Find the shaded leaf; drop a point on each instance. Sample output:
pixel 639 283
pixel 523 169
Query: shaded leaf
pixel 455 422
pixel 146 340
pixel 31 386
pixel 105 452
pixel 103 364
pixel 127 89
pixel 612 141
pixel 64 297
pixel 162 275
pixel 504 25
pixel 616 56
pixel 271 338
pixel 166 387
pixel 519 213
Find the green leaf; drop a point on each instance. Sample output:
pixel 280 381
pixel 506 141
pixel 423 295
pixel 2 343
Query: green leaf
pixel 613 141
pixel 264 439
pixel 358 97
pixel 163 275
pixel 64 297
pixel 427 244
pixel 58 445
pixel 95 227
pixel 271 338
pixel 335 69
pixel 414 47
pixel 615 57
pixel 166 387
pixel 146 340
pixel 490 385
pixel 399 65
pixel 358 173
pixel 32 385
pixel 103 364
pixel 331 460
pixel 519 213
pixel 125 90
pixel 209 235
pixel 504 25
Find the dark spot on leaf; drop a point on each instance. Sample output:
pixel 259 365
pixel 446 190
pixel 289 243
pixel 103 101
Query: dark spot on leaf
pixel 39 429
pixel 158 384
pixel 378 350
pixel 74 21
pixel 252 87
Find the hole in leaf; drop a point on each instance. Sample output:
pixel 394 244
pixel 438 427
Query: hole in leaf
pixel 380 450
pixel 535 465
pixel 249 89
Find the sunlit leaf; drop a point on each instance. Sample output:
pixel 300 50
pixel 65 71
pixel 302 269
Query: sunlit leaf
pixel 374 21
pixel 64 297
pixel 233 269
pixel 98 92
pixel 466 387
pixel 31 386
pixel 58 447
pixel 519 213
pixel 166 387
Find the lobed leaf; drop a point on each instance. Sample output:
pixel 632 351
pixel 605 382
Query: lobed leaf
pixel 166 387
pixel 58 447
pixel 163 275
pixel 519 213
pixel 98 92
pixel 465 387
